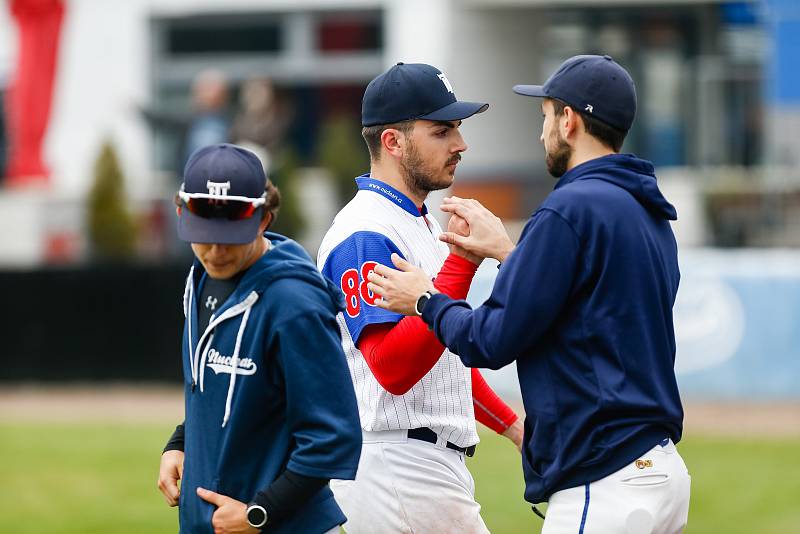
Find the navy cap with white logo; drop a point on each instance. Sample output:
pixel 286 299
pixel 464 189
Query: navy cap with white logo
pixel 594 85
pixel 410 91
pixel 223 195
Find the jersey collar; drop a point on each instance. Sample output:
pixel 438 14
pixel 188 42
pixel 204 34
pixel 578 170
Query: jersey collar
pixel 365 182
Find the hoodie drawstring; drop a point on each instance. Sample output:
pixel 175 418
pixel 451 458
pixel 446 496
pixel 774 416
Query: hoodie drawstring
pixel 234 366
pixel 199 356
pixel 188 308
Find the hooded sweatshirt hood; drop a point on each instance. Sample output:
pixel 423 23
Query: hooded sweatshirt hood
pixel 634 175
pixel 284 259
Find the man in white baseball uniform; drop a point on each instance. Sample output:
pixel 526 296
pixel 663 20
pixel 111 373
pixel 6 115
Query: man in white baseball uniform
pixel 417 402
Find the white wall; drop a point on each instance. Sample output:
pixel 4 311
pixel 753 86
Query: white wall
pixel 101 78
pixel 493 50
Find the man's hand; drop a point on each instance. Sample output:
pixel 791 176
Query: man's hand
pixel 399 289
pixel 169 473
pixel 487 236
pixel 515 433
pixel 230 516
pixel 457 225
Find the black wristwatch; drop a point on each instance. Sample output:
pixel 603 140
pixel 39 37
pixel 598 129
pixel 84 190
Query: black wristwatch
pixel 256 515
pixel 421 302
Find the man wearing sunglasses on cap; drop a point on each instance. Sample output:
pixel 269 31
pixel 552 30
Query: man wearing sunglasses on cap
pixel 269 417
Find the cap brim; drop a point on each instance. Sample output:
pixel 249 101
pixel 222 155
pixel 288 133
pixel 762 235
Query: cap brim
pixel 456 111
pixel 530 90
pixel 196 229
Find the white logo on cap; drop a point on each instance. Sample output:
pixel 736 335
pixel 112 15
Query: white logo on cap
pixel 446 82
pixel 589 108
pixel 219 189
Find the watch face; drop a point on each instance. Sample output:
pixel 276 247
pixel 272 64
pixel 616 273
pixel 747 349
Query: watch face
pixel 421 302
pixel 256 516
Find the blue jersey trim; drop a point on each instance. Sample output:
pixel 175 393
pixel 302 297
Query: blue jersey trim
pixel 585 510
pixel 365 182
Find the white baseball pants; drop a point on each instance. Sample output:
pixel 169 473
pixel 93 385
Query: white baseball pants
pixel 409 486
pixel 649 496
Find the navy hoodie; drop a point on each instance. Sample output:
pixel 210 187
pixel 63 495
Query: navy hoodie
pixel 584 306
pixel 289 405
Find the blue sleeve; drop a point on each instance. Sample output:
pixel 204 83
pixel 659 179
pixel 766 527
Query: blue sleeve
pixel 347 267
pixel 530 291
pixel 321 409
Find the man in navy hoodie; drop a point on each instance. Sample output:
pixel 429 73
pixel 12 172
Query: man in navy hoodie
pixel 583 303
pixel 270 413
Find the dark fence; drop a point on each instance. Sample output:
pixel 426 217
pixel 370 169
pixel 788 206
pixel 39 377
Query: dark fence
pixel 117 322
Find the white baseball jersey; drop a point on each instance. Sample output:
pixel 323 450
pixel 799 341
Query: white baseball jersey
pixel 378 221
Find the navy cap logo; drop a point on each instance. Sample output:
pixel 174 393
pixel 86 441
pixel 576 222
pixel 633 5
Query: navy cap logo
pixel 446 83
pixel 218 189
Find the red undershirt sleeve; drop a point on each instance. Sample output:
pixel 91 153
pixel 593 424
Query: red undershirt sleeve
pixel 400 354
pixel 490 409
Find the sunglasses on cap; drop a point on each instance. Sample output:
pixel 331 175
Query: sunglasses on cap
pixel 233 208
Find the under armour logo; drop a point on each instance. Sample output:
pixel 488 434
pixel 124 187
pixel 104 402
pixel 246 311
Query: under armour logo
pixel 589 108
pixel 211 303
pixel 219 189
pixel 446 82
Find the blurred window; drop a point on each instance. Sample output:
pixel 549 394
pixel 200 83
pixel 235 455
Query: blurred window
pixel 220 35
pixel 337 33
pixel 699 71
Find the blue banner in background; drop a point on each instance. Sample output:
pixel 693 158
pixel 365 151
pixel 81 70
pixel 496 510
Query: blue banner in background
pixel 737 325
pixel 783 23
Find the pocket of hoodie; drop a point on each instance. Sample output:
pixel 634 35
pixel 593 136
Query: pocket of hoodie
pixel 209 509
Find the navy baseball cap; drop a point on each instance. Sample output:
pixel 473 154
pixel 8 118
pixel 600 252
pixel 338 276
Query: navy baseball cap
pixel 595 85
pixel 410 91
pixel 223 196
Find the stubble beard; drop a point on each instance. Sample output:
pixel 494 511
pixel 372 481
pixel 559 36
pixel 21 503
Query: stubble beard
pixel 558 159
pixel 419 177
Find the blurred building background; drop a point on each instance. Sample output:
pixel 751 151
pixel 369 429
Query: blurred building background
pixel 103 101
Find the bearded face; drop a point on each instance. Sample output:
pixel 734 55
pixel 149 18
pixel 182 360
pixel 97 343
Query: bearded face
pixel 428 170
pixel 557 153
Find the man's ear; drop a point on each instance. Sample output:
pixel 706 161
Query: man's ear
pixel 266 222
pixel 178 211
pixel 569 123
pixel 393 142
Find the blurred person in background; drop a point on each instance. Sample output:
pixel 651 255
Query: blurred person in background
pixel 210 122
pixel 261 121
pixel 207 122
pixel 583 304
pixel 271 415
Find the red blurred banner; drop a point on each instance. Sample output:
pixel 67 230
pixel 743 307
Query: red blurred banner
pixel 30 95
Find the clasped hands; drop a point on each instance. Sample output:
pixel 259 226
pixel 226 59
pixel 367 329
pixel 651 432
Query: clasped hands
pixel 473 232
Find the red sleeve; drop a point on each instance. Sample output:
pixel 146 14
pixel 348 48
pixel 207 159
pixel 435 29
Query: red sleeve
pixel 400 354
pixel 489 408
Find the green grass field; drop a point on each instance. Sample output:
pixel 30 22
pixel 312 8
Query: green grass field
pixel 97 478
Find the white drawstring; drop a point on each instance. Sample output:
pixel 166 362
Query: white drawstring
pixel 234 367
pixel 199 355
pixel 203 360
pixel 188 293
